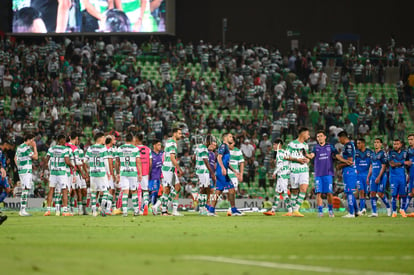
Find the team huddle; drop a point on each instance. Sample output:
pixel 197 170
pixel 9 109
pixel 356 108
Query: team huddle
pixel 363 169
pixel 134 170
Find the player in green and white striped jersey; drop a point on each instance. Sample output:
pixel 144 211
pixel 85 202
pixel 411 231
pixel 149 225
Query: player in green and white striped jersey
pixel 83 185
pixel 298 152
pixel 110 141
pixel 204 171
pixel 58 157
pixel 128 163
pixel 25 153
pixel 169 168
pixel 282 174
pixel 98 162
pixel 79 176
pixel 237 162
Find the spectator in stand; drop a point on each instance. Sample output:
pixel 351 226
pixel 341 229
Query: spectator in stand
pixel 390 125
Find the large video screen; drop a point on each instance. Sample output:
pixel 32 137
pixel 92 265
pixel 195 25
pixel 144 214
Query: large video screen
pixel 91 16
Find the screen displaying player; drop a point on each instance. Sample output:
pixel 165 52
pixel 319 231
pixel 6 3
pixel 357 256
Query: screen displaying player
pixel 89 16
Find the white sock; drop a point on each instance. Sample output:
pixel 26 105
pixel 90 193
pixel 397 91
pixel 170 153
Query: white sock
pixel 108 205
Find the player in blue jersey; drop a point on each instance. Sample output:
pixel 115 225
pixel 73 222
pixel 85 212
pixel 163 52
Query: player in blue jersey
pixel 155 174
pixel 212 159
pixel 397 158
pixel 323 154
pixel 363 162
pixel 222 178
pixel 377 177
pixel 410 164
pixel 349 174
pixel 4 181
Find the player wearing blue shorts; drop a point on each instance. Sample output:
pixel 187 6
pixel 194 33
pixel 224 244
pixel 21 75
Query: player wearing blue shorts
pixel 410 164
pixel 377 178
pixel 155 174
pixel 213 164
pixel 4 182
pixel 324 171
pixel 222 178
pixel 397 159
pixel 363 162
pixel 349 174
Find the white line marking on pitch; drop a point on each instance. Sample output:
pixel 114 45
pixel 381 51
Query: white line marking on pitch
pixel 297 267
pixel 333 257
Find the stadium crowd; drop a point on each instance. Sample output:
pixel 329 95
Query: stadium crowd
pixel 92 86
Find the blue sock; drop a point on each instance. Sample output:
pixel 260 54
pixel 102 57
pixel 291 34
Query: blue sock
pixel 402 202
pixel 355 204
pixel 212 209
pixel 330 207
pixel 351 199
pixel 362 204
pixel 386 201
pixel 234 209
pixel 394 204
pixel 3 196
pixel 407 202
pixel 374 204
pixel 320 209
pixel 154 196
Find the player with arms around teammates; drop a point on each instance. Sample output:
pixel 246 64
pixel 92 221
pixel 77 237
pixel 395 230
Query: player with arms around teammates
pixel 59 180
pixel 78 176
pixel 397 158
pixel 129 169
pixel 363 162
pixel 222 178
pixel 25 153
pixel 99 173
pixel 204 171
pixel 377 177
pixel 282 175
pixel 298 156
pixel 349 173
pixel 110 142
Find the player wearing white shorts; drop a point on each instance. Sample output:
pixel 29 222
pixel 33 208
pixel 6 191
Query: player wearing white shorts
pixel 237 162
pixel 97 159
pixel 110 146
pixel 146 161
pixel 298 152
pixel 25 153
pixel 170 164
pixel 282 175
pixel 77 178
pixel 204 171
pixel 58 158
pixel 81 182
pixel 128 163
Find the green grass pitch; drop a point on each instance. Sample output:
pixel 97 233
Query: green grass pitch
pixel 253 244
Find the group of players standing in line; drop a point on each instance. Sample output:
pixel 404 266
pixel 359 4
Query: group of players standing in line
pixel 131 169
pixel 134 169
pixel 364 170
